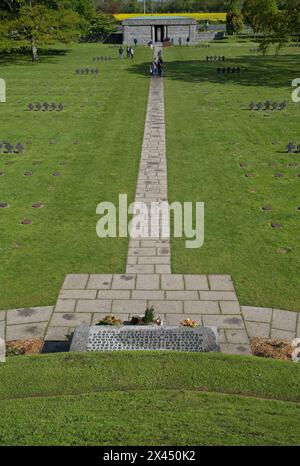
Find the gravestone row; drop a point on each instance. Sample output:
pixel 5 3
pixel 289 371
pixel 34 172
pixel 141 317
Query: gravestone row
pixel 102 58
pixel 87 71
pixel 203 46
pixel 295 44
pixel 254 50
pixel 228 70
pixel 45 107
pixel 268 105
pixel 9 148
pixel 113 46
pixel 215 58
pixel 35 205
pixel 292 148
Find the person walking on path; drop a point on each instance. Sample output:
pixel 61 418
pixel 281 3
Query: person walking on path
pixel 153 69
pixel 121 51
pixel 160 67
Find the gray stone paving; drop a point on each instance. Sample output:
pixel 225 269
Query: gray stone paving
pixel 209 299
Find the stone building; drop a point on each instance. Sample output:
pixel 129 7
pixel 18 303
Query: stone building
pixel 158 28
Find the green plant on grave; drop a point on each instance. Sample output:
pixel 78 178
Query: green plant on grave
pixel 149 315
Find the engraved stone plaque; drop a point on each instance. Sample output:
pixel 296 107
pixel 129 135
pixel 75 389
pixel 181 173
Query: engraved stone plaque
pixel 146 338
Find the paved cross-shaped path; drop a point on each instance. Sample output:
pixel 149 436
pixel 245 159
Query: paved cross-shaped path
pixel 210 299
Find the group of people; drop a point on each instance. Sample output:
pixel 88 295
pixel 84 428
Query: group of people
pixel 129 52
pixel 156 67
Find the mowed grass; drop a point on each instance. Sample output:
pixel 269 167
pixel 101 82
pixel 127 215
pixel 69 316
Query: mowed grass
pixel 94 144
pixel 210 132
pixel 146 398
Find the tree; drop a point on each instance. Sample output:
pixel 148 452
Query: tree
pixel 234 19
pixel 36 25
pixel 102 25
pixel 292 11
pixel 259 14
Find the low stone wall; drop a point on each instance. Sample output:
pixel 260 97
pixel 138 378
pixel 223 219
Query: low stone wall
pixel 151 338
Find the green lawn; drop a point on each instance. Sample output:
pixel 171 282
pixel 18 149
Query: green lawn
pixel 95 144
pixel 148 399
pixel 210 133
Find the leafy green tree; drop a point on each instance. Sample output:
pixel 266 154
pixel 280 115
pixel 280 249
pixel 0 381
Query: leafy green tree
pixel 101 26
pixel 292 11
pixel 234 19
pixel 36 26
pixel 259 14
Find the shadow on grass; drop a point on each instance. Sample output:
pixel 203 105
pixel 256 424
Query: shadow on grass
pixel 255 71
pixel 23 56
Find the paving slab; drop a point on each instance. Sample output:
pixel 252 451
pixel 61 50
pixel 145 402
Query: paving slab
pixel 65 305
pixel 284 320
pixel 58 334
pixel 182 295
pixel 113 294
pixel 140 269
pixel 282 334
pixel 172 282
pixel 129 306
pixel 237 336
pixel 201 307
pixel 74 319
pixel 99 282
pixel 257 314
pixel 258 329
pixel 93 305
pixel 124 282
pixel 196 282
pixel 231 348
pixel 75 282
pixel 230 307
pixel 148 282
pixel 148 294
pixel 222 321
pixel 2 330
pixel 29 315
pixel 220 283
pixel 167 307
pixel 25 331
pixel 78 294
pixel 2 315
pixel 218 296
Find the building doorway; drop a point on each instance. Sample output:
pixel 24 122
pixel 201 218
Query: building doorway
pixel 159 33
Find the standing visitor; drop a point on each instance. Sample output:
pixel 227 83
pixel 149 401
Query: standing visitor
pixel 160 67
pixel 121 51
pixel 131 52
pixel 153 69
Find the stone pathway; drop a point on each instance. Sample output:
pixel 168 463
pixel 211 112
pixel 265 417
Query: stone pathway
pixel 209 299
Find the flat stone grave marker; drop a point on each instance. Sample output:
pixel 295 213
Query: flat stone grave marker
pixel 136 337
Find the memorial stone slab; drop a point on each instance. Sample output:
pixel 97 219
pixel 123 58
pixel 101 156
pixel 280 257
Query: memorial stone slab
pixel 136 337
